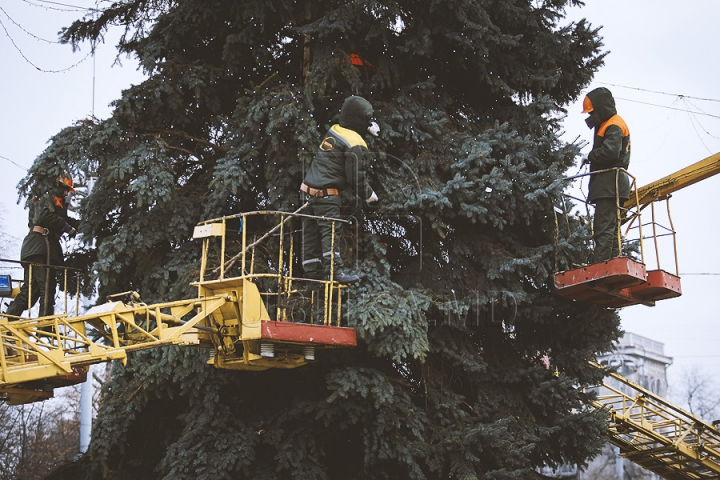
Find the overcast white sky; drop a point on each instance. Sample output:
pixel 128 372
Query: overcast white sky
pixel 45 87
pixel 656 46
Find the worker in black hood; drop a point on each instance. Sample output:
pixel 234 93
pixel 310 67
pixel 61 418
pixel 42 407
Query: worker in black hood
pixel 338 165
pixel 608 190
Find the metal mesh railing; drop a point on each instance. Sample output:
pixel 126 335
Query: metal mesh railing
pixel 266 253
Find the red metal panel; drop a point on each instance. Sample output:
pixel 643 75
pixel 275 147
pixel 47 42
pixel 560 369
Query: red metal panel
pixel 304 333
pixel 660 285
pixel 619 272
pixel 620 298
pixel 616 283
pixel 606 284
pixel 78 375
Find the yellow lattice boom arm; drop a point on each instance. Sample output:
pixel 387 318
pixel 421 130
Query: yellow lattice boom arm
pixel 229 317
pixel 661 189
pixel 653 433
pixel 50 349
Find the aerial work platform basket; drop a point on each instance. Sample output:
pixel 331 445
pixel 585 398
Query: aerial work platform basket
pixel 258 318
pixel 618 282
pixel 623 281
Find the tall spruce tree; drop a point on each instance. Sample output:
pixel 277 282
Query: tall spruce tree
pixel 468 366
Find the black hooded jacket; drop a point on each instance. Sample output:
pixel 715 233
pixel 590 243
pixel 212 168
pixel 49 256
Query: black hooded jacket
pixel 611 148
pixel 48 212
pixel 340 161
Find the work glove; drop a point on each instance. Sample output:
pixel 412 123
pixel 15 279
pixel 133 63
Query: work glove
pixel 584 161
pixel 69 230
pixel 373 198
pixel 374 129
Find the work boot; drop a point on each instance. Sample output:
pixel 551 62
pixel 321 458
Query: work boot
pixel 346 278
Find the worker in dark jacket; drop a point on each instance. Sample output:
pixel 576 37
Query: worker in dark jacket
pixel 48 221
pixel 338 165
pixel 610 189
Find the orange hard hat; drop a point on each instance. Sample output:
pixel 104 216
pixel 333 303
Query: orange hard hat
pixel 587 105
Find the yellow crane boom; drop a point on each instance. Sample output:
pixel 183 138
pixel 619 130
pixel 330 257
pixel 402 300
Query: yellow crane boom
pixel 657 435
pixel 229 317
pixel 664 187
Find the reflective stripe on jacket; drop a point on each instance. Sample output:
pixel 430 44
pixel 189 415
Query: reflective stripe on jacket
pixel 611 149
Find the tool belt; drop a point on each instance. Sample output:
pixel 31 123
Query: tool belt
pixel 319 192
pixel 45 231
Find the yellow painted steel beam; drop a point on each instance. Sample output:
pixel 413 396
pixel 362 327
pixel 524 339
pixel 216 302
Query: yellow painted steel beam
pixel 229 317
pixel 45 347
pixel 40 354
pixel 661 189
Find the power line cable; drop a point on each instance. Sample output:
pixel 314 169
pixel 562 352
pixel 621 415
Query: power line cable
pixel 16 164
pixel 74 7
pixel 684 273
pixel 698 121
pixel 31 63
pixel 29 33
pixel 669 108
pixel 92 49
pixel 691 109
pixel 695 356
pixel 8 235
pixel 71 6
pixel 694 122
pixel 55 9
pixel 661 93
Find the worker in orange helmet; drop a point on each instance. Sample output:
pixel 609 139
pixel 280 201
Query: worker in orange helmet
pixel 48 220
pixel 609 189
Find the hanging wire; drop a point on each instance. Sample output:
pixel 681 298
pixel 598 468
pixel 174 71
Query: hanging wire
pixel 71 8
pixel 94 63
pixel 661 93
pixel 23 29
pixel 698 121
pixel 16 164
pixel 708 273
pixel 4 234
pixel 694 123
pixel 31 63
pixel 669 108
